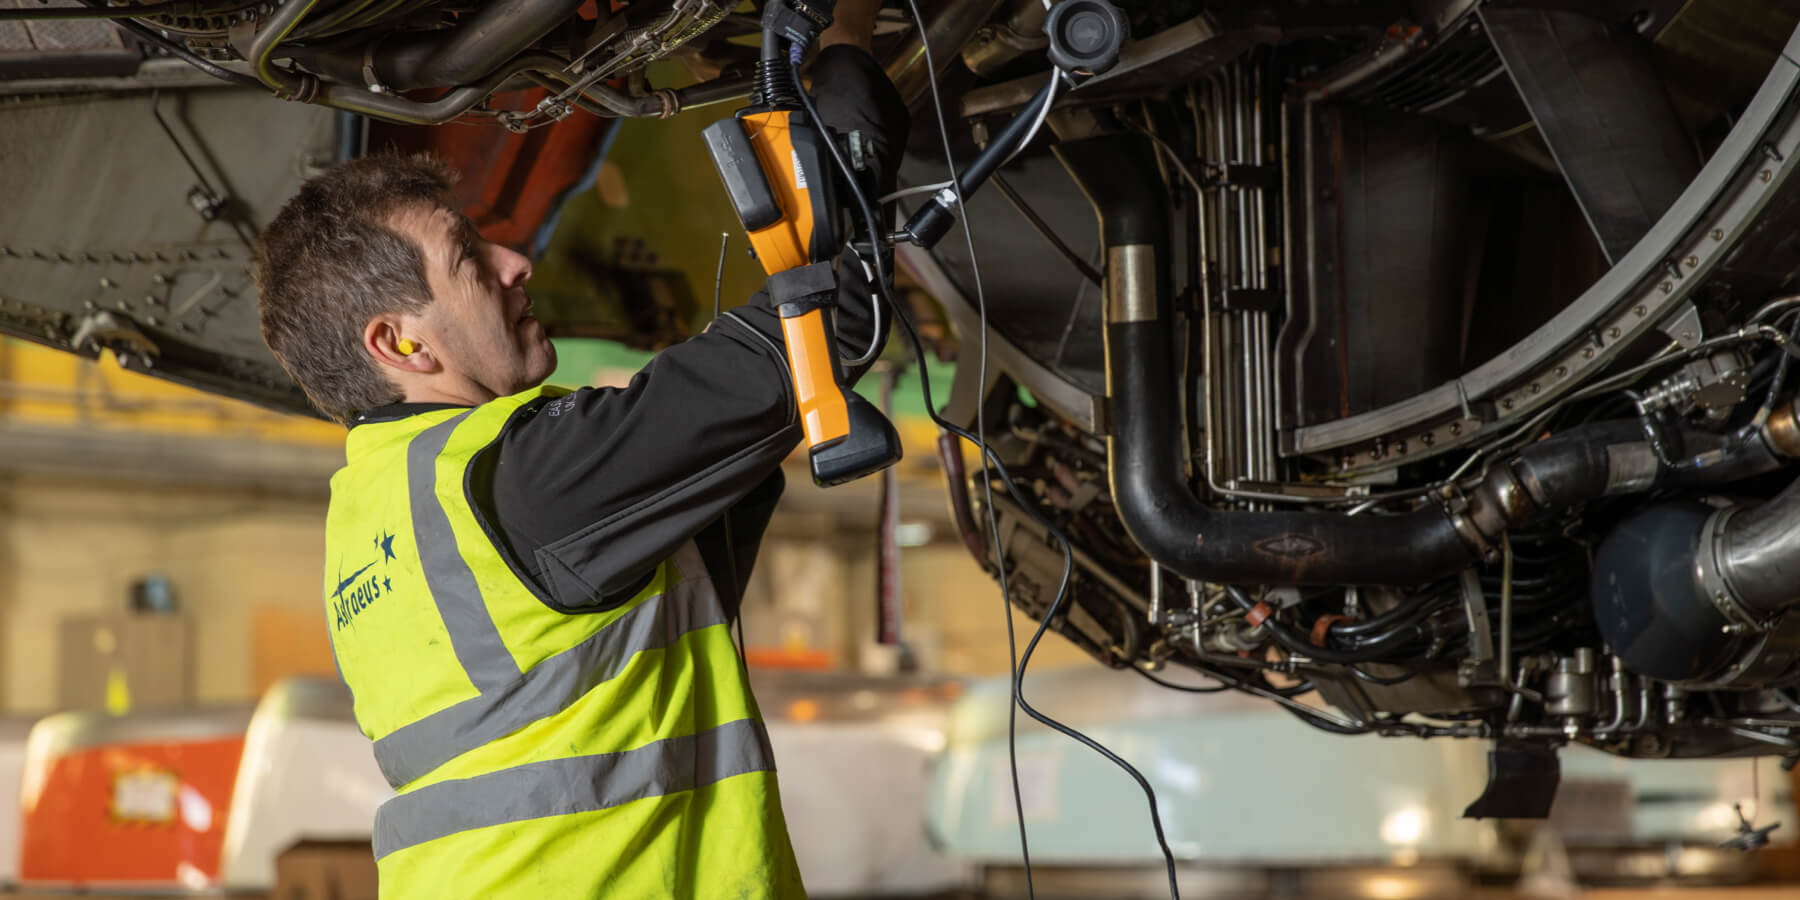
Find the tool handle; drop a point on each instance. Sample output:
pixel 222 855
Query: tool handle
pixel 846 435
pixel 812 359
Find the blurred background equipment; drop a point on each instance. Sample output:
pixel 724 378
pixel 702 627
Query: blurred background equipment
pixel 132 802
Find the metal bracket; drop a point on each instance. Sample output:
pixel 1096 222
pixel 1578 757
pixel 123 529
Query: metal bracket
pixel 1481 633
pixel 1683 326
pixel 1263 300
pixel 119 334
pixel 1247 175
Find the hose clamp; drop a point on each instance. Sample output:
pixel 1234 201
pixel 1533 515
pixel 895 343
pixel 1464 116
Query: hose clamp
pixel 370 80
pixel 1710 578
pixel 1456 507
pixel 307 91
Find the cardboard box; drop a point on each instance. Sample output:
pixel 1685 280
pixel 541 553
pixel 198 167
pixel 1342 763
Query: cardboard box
pixel 326 870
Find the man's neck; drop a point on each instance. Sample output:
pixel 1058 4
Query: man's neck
pixel 443 391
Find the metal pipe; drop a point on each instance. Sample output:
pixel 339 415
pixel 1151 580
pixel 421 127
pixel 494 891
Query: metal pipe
pixel 286 85
pixel 543 67
pixel 1683 591
pixel 659 104
pixel 950 455
pixel 993 46
pixel 453 103
pixel 180 51
pixel 1506 598
pixel 1621 685
pixel 1156 595
pixel 1758 553
pixel 1196 591
pixel 481 42
pixel 949 24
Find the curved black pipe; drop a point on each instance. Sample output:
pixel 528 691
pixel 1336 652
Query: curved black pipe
pixel 1149 484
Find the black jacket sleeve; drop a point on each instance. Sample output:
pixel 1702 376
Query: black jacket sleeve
pixel 589 492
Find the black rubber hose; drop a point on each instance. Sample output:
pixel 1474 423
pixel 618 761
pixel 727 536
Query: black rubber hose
pixel 1293 641
pixel 1395 635
pixel 1400 613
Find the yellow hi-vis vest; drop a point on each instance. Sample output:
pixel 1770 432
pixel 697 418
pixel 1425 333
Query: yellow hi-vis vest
pixel 536 753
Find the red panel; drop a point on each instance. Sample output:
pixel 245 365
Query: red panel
pixel 510 182
pixel 150 813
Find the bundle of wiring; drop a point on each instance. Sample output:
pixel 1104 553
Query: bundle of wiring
pixel 991 461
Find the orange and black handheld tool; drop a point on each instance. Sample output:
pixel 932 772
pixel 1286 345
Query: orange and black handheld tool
pixel 780 181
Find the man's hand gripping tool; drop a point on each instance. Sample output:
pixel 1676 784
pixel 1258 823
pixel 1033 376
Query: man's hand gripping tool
pixel 774 164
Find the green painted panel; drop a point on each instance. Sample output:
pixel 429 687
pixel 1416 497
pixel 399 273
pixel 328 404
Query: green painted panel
pixel 579 359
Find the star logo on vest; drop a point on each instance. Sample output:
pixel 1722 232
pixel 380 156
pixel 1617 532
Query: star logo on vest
pixel 355 592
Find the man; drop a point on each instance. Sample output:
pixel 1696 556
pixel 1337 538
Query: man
pixel 529 590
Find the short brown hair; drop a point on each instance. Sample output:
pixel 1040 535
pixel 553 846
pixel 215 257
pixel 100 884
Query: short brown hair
pixel 331 261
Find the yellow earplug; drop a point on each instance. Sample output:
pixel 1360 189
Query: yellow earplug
pixel 405 347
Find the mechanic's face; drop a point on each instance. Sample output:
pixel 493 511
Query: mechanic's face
pixel 479 325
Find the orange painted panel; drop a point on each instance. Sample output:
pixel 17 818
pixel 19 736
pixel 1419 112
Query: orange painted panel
pixel 143 813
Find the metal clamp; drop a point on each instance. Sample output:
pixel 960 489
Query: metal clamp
pixel 1456 507
pixel 1711 579
pixel 370 80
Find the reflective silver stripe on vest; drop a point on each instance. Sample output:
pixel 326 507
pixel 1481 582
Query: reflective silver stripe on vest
pixel 477 643
pixel 552 685
pixel 572 785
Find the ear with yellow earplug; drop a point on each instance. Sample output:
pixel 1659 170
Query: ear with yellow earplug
pixel 406 347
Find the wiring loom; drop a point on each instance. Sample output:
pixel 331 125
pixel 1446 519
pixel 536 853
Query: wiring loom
pixel 991 462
